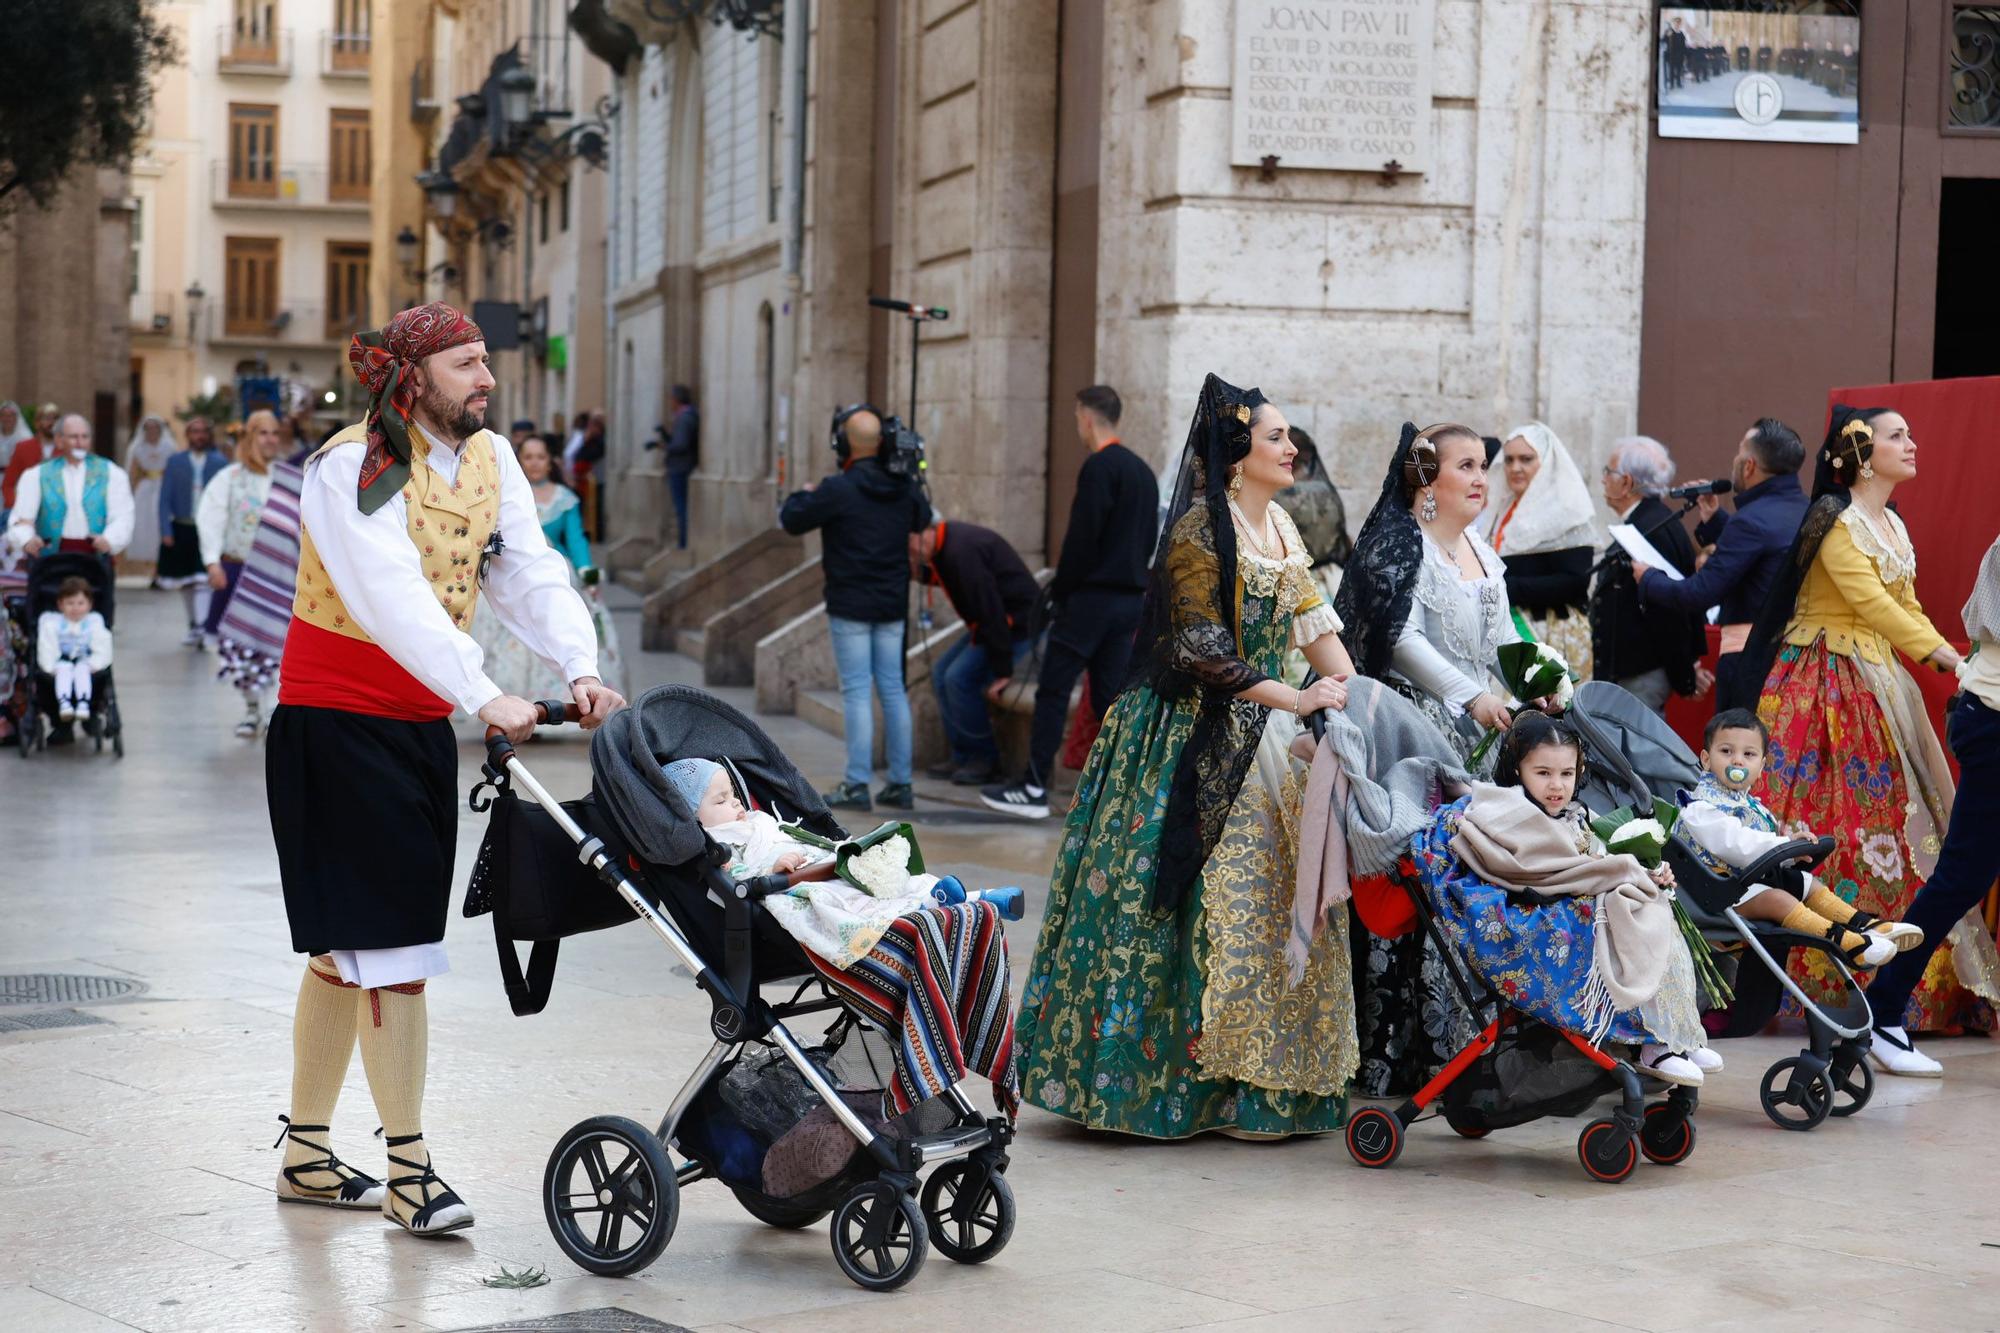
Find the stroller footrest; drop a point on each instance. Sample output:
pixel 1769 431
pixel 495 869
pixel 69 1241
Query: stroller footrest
pixel 951 1143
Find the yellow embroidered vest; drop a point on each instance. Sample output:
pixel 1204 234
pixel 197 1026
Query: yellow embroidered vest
pixel 449 524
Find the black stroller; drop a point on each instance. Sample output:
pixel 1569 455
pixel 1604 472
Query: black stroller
pixel 611 1191
pixel 45 575
pixel 1634 757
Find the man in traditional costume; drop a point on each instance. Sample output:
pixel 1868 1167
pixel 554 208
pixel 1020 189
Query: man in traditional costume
pixel 401 522
pixel 76 501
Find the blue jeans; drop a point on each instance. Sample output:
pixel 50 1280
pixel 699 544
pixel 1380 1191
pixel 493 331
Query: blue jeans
pixel 677 487
pixel 960 678
pixel 872 654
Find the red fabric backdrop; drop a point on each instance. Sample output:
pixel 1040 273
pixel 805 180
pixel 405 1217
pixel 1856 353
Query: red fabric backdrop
pixel 1949 509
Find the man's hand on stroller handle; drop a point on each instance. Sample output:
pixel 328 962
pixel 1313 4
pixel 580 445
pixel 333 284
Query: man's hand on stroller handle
pixel 595 701
pixel 510 716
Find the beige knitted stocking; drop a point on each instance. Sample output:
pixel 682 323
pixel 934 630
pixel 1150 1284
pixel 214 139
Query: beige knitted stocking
pixel 395 1047
pixel 322 1044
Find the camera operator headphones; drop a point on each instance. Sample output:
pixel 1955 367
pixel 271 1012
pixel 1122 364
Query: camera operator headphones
pixel 841 416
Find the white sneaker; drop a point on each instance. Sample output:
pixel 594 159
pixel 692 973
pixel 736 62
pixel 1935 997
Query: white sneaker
pixel 1707 1059
pixel 67 713
pixel 1881 948
pixel 192 639
pixel 1669 1066
pixel 1902 933
pixel 1894 1053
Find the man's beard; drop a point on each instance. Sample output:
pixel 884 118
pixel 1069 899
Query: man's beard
pixel 457 418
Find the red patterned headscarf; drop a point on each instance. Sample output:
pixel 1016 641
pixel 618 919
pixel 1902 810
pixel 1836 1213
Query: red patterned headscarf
pixel 383 360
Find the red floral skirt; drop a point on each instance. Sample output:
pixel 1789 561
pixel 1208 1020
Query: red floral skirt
pixel 1834 770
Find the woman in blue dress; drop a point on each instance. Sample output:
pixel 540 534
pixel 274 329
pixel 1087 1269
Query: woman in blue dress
pixel 509 663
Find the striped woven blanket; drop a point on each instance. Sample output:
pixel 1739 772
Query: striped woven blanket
pixel 252 634
pixel 937 981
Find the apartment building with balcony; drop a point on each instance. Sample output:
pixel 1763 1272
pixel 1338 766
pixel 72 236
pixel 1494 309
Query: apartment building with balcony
pixel 251 249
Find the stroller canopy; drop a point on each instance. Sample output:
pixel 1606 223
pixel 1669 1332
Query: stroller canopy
pixel 679 722
pixel 1643 755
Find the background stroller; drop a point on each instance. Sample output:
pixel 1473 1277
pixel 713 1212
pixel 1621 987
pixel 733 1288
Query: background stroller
pixel 1634 757
pixel 45 575
pixel 611 1191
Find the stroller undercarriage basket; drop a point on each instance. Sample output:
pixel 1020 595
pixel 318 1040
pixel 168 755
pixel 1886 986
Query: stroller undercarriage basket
pixel 1530 1072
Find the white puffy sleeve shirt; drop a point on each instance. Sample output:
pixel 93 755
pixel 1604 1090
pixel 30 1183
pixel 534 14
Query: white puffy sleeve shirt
pixel 377 569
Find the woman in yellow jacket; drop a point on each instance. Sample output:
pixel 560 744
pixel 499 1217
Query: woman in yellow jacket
pixel 1852 752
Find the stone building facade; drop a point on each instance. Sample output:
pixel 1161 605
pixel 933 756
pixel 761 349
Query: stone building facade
pixel 1057 175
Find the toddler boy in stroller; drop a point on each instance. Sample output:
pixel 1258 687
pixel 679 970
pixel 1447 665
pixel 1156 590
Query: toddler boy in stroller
pixel 1729 828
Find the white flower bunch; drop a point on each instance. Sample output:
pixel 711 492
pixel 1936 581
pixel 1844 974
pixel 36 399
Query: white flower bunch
pixel 1643 838
pixel 884 869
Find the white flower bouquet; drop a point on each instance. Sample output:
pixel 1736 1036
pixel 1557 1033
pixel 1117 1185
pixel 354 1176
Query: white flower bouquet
pixel 879 862
pixel 1628 832
pixel 1531 670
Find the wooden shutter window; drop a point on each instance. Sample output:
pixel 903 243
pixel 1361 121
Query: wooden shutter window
pixel 346 288
pixel 348 141
pixel 250 284
pixel 253 151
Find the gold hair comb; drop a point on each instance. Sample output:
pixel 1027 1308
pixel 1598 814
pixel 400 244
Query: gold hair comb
pixel 1857 427
pixel 1243 413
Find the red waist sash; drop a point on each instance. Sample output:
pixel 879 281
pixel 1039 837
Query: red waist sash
pixel 322 669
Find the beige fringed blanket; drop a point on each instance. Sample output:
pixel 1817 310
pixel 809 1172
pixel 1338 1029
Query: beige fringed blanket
pixel 1505 839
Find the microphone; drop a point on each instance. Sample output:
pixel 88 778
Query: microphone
pixel 1723 487
pixel 909 308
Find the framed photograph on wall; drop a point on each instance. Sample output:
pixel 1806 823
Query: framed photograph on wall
pixel 1782 73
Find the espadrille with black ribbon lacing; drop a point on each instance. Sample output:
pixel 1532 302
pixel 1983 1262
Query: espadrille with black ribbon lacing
pixel 348 1188
pixel 430 1214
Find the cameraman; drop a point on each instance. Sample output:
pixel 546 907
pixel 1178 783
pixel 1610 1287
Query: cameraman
pixel 868 513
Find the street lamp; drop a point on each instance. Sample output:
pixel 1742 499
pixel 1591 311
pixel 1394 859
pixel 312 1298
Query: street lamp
pixel 517 100
pixel 195 296
pixel 406 249
pixel 442 192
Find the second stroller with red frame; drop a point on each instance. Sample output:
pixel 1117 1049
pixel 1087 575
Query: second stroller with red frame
pixel 1518 1068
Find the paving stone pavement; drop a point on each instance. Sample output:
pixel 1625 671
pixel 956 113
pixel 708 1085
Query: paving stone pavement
pixel 135 1158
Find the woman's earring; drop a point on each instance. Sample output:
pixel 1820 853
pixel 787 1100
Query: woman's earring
pixel 1235 482
pixel 1430 507
pixel 1867 472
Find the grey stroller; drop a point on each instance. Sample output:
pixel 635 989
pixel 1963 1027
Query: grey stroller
pixel 796 1129
pixel 1633 757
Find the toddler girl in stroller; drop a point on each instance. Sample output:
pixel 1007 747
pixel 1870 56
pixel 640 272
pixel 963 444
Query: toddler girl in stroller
pixel 1585 940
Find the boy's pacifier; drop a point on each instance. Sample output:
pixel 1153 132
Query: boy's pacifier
pixel 1736 774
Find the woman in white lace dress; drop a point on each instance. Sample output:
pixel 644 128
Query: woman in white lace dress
pixel 1424 604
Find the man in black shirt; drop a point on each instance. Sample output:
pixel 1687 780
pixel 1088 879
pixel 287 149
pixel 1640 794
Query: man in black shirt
pixel 868 513
pixel 999 601
pixel 1099 587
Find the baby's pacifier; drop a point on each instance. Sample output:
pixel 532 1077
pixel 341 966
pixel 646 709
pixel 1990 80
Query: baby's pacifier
pixel 1737 775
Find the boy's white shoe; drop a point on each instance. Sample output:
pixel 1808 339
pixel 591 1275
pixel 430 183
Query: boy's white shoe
pixel 1668 1066
pixel 1707 1059
pixel 1894 1052
pixel 1904 935
pixel 67 712
pixel 1881 948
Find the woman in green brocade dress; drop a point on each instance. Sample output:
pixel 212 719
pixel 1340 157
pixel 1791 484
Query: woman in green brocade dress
pixel 1160 1001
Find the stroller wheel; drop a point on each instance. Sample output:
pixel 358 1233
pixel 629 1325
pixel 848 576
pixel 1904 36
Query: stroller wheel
pixel 1793 1096
pixel 1853 1077
pixel 778 1213
pixel 1662 1144
pixel 1607 1152
pixel 1374 1137
pixel 879 1239
pixel 968 1230
pixel 610 1196
pixel 1467 1131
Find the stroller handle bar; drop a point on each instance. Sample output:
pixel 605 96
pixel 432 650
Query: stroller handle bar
pixel 548 713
